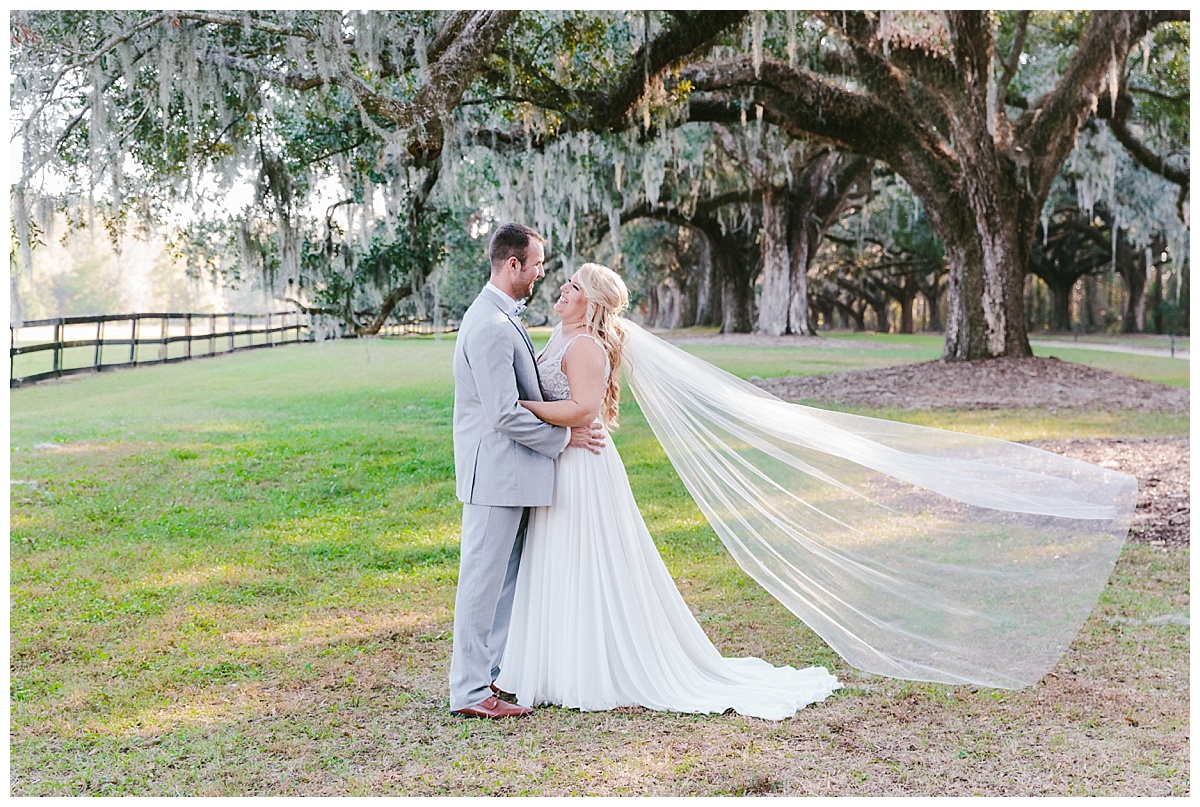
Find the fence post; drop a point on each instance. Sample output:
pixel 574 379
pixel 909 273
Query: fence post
pixel 164 331
pixel 12 357
pixel 232 332
pixel 58 334
pixel 212 334
pixel 187 332
pixel 133 339
pixel 99 341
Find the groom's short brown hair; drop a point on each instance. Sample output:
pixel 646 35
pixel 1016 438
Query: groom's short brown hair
pixel 512 241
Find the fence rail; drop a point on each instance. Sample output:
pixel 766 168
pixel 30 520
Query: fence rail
pixel 419 326
pixel 88 344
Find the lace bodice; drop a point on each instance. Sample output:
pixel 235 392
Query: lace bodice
pixel 550 371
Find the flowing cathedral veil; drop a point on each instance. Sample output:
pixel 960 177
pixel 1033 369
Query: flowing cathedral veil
pixel 916 553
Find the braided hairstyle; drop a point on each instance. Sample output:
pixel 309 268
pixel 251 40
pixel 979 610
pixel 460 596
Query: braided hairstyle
pixel 607 299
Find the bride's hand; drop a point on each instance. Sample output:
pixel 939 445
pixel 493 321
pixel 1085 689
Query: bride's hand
pixel 589 437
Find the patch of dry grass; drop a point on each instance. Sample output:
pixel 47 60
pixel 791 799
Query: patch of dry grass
pixel 358 705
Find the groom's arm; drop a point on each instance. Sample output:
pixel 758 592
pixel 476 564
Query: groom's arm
pixel 491 358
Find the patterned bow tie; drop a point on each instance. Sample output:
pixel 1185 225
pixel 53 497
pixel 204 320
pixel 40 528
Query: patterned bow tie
pixel 520 308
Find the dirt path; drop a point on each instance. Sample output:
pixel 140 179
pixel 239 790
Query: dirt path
pixel 1139 351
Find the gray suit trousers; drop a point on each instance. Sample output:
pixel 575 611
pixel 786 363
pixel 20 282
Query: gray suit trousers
pixel 492 537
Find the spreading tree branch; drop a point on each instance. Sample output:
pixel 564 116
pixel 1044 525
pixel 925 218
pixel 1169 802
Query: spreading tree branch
pixel 806 105
pixel 449 32
pixel 605 111
pixel 246 21
pixel 1049 128
pixel 1014 56
pixel 1182 98
pixel 1118 122
pixel 699 31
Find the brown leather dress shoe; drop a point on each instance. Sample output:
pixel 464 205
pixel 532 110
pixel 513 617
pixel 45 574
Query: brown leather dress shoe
pixel 495 708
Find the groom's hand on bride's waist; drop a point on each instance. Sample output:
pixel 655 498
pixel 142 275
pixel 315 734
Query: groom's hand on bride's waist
pixel 589 437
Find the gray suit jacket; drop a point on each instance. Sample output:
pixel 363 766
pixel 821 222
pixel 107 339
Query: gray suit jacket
pixel 503 455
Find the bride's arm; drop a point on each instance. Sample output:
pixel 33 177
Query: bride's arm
pixel 584 366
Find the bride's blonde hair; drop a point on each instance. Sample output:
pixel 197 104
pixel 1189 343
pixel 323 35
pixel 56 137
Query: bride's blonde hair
pixel 607 299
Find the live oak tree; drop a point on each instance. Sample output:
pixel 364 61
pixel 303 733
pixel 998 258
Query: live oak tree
pixel 149 113
pixel 375 119
pixel 885 251
pixel 1061 255
pixel 802 191
pixel 145 111
pixel 924 92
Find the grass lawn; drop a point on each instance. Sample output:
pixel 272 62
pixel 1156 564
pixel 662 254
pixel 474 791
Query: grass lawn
pixel 235 576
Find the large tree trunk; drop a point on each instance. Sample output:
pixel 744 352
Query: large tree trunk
pixel 933 304
pixel 668 305
pixel 1060 306
pixel 857 315
pixel 1091 315
pixel 1134 268
pixel 822 312
pixel 932 292
pixel 650 307
pixel 1134 320
pixel 735 281
pixel 880 307
pixel 736 302
pixel 906 309
pixel 689 287
pixel 799 318
pixel 985 304
pixel 734 264
pixel 777 267
pixel 708 298
pixel 821 194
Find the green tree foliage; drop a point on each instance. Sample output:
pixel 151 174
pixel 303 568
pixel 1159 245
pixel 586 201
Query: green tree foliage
pixel 354 162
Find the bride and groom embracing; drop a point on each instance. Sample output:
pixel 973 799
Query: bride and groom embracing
pixel 913 552
pixel 562 596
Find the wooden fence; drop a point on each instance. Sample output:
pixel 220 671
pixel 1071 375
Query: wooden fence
pixel 52 348
pixel 419 326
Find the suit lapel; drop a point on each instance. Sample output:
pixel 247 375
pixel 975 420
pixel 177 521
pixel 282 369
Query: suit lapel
pixel 520 329
pixel 524 335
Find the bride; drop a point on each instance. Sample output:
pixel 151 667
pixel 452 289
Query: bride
pixel 915 553
pixel 597 621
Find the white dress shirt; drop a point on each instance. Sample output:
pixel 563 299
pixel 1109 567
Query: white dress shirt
pixel 517 308
pixel 516 304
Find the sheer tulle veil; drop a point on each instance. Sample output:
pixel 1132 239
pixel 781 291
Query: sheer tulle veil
pixel 915 553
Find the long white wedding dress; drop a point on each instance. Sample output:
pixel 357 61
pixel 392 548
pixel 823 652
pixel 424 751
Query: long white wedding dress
pixel 597 621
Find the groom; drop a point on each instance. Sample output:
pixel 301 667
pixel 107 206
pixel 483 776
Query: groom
pixel 504 461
